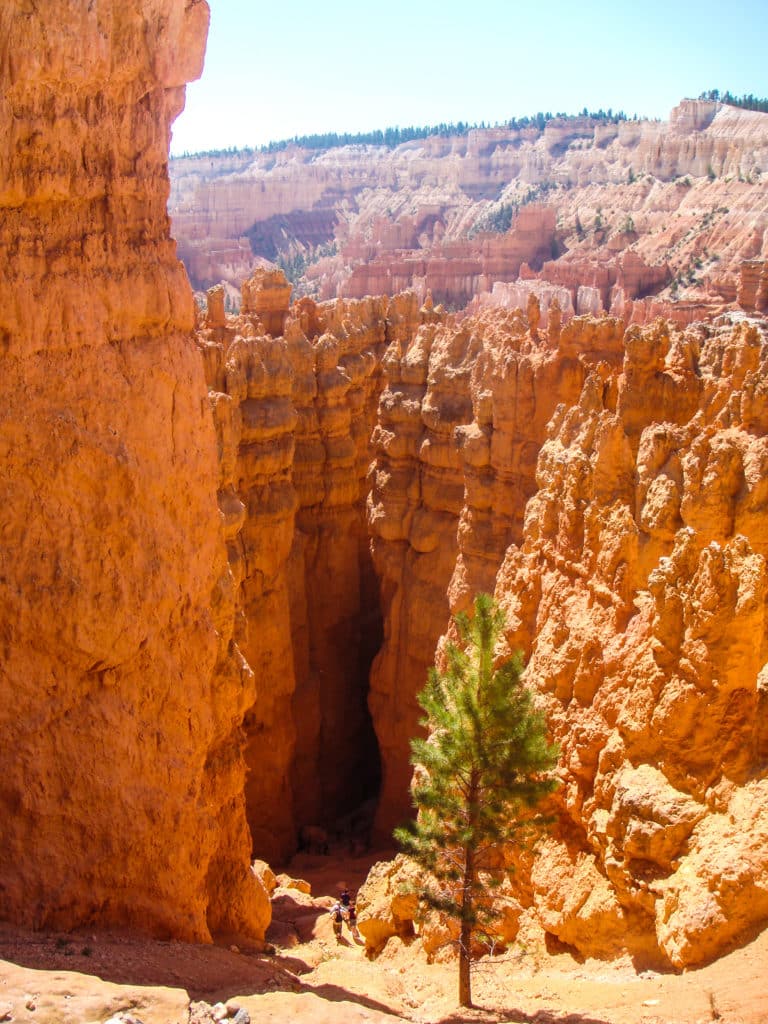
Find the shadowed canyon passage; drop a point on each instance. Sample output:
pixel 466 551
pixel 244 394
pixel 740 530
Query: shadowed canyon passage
pixel 295 397
pixel 340 492
pixel 342 486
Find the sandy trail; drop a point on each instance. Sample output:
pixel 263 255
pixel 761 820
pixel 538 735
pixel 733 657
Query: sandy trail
pixel 312 979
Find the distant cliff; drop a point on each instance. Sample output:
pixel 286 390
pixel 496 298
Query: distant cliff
pixel 634 218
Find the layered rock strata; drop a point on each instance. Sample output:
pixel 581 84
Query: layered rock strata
pixel 609 487
pixel 299 410
pixel 453 271
pixel 460 425
pixel 753 286
pixel 335 607
pixel 639 593
pixel 186 584
pixel 655 216
pixel 121 772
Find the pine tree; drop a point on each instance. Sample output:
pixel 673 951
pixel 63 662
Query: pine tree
pixel 478 773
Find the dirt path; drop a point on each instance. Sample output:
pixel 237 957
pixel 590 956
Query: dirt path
pixel 312 979
pixel 553 990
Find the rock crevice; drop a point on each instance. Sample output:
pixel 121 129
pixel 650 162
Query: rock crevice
pixel 299 410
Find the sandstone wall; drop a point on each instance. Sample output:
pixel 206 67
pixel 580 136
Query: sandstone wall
pixel 413 507
pixel 609 486
pixel 460 425
pixel 686 199
pixel 296 411
pixel 121 771
pixel 639 594
pixel 335 597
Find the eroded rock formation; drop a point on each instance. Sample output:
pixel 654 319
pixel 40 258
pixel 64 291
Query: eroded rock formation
pixel 453 271
pixel 640 592
pixel 753 286
pixel 635 218
pixel 121 779
pixel 205 544
pixel 296 413
pixel 460 426
pixel 610 488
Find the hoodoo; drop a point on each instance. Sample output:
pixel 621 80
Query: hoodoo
pixel 121 772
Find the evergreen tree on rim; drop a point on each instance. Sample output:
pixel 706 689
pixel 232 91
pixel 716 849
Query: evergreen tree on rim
pixel 478 773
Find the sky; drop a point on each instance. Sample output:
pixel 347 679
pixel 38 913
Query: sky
pixel 316 66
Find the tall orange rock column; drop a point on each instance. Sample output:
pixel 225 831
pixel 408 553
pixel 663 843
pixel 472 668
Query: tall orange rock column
pixel 121 770
pixel 336 349
pixel 251 382
pixel 460 426
pixel 259 373
pixel 640 594
pixel 416 496
pixel 518 380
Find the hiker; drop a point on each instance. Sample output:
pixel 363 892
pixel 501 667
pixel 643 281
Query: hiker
pixel 352 922
pixel 337 916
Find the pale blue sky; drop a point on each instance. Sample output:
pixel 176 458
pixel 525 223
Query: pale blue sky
pixel 277 70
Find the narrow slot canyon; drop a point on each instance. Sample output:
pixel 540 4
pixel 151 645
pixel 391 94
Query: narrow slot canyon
pixel 336 631
pixel 356 442
pixel 295 395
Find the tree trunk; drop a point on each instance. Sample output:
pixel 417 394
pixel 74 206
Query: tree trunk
pixel 465 985
pixel 467 899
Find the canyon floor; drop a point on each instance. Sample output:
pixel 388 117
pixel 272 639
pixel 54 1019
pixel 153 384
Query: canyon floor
pixel 79 978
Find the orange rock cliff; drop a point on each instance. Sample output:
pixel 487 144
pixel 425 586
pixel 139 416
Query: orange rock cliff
pixel 637 218
pixel 231 548
pixel 122 772
pixel 607 483
pixel 634 583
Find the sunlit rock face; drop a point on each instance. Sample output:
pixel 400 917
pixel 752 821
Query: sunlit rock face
pixel 639 594
pixel 635 218
pixel 206 540
pixel 607 484
pixel 122 772
pixel 295 414
pixel 609 487
pixel 460 426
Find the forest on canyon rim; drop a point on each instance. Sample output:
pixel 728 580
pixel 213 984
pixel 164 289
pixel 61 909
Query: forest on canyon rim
pixel 528 360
